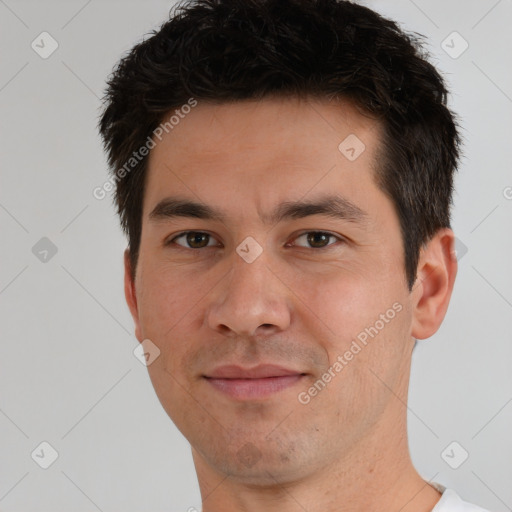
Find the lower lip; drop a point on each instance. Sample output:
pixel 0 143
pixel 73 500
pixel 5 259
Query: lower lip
pixel 247 389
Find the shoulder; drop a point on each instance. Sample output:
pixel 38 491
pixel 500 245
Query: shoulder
pixel 451 502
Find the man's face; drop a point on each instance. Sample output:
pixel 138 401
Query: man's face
pixel 321 282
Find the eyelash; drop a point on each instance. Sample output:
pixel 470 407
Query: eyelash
pixel 185 233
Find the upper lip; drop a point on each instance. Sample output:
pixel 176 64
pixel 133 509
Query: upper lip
pixel 256 372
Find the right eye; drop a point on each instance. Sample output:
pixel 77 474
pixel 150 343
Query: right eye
pixel 193 240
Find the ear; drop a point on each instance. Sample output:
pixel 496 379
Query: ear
pixel 437 268
pixel 130 294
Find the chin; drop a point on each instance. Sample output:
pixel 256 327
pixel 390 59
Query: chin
pixel 258 464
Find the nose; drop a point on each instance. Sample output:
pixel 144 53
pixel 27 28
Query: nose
pixel 250 300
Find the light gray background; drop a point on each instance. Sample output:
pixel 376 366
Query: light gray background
pixel 67 372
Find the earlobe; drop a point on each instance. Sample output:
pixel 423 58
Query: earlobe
pixel 131 295
pixel 437 269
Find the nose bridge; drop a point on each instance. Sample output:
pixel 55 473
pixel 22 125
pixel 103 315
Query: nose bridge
pixel 249 279
pixel 249 298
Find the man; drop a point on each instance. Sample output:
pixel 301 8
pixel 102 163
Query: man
pixel 284 173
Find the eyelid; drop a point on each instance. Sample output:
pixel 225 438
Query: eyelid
pixel 338 237
pixel 172 240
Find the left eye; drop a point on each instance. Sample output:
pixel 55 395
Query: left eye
pixel 317 239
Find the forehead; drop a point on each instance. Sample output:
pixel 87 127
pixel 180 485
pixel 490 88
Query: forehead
pixel 270 150
pixel 276 125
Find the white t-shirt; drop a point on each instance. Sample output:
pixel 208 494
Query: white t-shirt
pixel 451 502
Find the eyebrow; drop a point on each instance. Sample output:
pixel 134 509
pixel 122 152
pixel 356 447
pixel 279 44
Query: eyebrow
pixel 333 206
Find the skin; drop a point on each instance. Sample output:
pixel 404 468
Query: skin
pixel 296 305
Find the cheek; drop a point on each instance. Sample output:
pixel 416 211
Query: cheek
pixel 169 311
pixel 362 318
pixel 341 302
pixel 167 297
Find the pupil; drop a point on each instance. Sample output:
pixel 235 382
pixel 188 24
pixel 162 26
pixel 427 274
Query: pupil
pixel 313 239
pixel 195 239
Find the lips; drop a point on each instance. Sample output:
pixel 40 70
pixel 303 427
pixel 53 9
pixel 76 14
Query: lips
pixel 259 382
pixel 262 371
